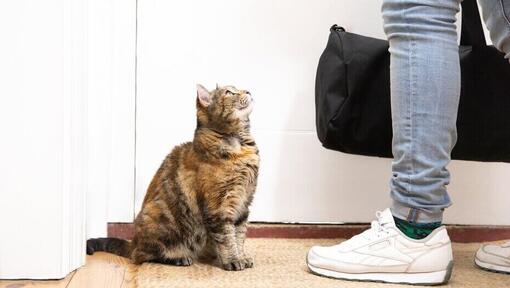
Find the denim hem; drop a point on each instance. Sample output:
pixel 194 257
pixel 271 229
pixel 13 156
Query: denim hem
pixel 415 215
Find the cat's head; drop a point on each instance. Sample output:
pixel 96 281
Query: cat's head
pixel 224 109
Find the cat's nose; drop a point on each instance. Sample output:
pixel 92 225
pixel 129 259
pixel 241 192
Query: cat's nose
pixel 248 95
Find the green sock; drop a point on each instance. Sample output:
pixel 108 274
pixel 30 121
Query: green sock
pixel 415 230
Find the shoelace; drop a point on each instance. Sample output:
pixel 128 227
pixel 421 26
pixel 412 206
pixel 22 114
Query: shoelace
pixel 376 229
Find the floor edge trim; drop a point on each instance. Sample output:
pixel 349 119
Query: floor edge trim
pixel 458 233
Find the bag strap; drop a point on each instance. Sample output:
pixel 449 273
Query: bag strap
pixel 472 29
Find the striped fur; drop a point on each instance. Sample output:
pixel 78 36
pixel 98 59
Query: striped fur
pixel 197 203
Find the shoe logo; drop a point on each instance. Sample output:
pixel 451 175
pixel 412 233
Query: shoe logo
pixel 385 252
pixel 379 245
pixel 395 251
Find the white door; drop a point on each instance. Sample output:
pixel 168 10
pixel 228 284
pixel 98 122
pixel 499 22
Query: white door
pixel 67 130
pixel 272 48
pixel 43 143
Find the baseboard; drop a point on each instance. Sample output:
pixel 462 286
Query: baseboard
pixel 458 233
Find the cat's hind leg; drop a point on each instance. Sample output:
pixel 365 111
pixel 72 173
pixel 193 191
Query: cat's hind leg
pixel 177 255
pixel 181 261
pixel 156 252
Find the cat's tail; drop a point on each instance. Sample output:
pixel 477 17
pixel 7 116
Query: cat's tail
pixel 116 246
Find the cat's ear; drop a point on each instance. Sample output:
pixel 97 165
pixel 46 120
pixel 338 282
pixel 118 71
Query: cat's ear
pixel 203 96
pixel 217 86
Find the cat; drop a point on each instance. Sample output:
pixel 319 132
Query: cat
pixel 197 204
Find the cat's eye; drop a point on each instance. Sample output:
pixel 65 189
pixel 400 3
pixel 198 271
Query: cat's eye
pixel 230 93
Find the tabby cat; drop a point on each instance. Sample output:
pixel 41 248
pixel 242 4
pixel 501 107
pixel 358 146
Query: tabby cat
pixel 197 203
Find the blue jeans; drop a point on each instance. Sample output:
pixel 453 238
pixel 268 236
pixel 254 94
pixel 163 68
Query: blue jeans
pixel 425 89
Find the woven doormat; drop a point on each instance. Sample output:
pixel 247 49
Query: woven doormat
pixel 281 263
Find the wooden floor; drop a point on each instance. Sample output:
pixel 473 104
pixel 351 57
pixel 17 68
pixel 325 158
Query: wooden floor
pixel 101 270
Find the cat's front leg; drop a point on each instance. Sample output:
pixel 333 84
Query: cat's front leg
pixel 241 229
pixel 224 236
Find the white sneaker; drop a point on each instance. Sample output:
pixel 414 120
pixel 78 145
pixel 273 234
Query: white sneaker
pixel 494 258
pixel 383 253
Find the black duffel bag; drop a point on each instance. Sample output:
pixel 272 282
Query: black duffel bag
pixel 352 95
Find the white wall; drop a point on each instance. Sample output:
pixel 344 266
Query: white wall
pixel 272 48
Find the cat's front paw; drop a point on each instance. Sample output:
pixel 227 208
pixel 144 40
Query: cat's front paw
pixel 248 262
pixel 234 265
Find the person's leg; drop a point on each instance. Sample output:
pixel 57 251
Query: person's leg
pixel 425 87
pixel 425 91
pixel 496 14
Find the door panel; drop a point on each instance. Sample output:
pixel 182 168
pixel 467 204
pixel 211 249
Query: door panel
pixel 43 148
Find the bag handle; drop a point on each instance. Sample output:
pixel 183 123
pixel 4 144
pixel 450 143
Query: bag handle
pixel 472 29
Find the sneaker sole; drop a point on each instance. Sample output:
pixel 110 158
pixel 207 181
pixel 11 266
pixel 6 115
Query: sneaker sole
pixel 492 267
pixel 427 279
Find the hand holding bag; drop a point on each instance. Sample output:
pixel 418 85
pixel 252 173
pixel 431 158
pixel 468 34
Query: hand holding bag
pixel 352 95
